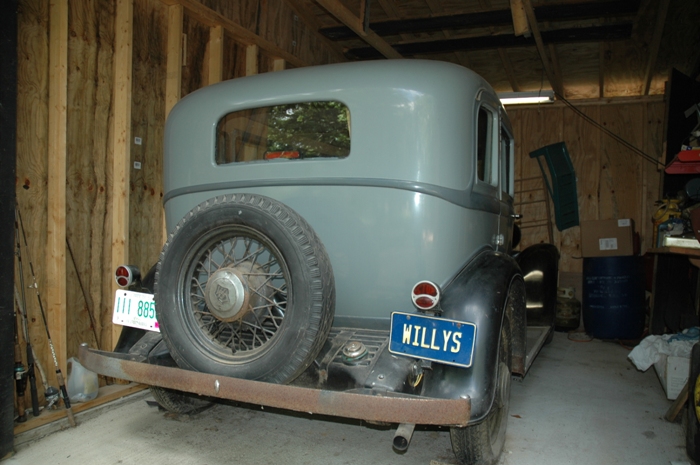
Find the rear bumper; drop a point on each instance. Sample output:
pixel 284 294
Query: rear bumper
pixel 362 404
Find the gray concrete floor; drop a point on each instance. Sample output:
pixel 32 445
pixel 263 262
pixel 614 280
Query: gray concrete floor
pixel 581 403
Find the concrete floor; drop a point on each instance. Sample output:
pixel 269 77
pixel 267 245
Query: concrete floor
pixel 581 403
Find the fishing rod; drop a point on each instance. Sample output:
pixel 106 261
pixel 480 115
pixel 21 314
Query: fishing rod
pixel 59 375
pixel 22 305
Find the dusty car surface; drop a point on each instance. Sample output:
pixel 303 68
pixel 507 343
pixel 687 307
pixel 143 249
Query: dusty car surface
pixel 344 234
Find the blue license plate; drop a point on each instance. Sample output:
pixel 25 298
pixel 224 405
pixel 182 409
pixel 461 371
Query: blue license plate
pixel 431 338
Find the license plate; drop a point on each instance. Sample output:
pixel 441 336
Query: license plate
pixel 430 338
pixel 135 309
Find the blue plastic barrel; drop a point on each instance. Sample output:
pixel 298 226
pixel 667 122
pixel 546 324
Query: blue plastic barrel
pixel 613 297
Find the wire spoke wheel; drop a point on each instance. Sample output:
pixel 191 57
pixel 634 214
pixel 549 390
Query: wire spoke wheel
pixel 244 288
pixel 237 249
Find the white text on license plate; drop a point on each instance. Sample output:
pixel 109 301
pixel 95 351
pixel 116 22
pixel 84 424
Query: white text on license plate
pixel 135 309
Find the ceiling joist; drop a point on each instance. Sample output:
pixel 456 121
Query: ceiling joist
pixel 584 34
pixel 623 9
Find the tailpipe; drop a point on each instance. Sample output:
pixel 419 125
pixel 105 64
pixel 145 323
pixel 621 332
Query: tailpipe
pixel 403 435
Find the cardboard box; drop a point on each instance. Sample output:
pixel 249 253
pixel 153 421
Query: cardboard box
pixel 673 374
pixel 607 238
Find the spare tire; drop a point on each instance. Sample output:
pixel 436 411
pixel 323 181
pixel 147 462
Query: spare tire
pixel 244 288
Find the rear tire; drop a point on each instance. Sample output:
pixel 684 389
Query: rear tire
pixel 482 444
pixel 183 403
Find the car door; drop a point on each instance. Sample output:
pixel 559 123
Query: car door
pixel 506 184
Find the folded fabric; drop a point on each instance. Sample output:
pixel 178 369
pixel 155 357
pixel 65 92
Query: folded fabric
pixel 652 348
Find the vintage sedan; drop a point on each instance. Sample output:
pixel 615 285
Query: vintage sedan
pixel 341 242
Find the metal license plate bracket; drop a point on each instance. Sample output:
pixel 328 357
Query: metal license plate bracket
pixel 432 338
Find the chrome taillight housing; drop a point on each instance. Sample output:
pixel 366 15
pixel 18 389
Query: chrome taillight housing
pixel 426 296
pixel 126 275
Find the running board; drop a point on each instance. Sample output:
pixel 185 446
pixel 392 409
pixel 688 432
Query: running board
pixel 536 336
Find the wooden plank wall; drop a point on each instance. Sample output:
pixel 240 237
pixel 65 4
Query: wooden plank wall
pixel 89 141
pixel 612 181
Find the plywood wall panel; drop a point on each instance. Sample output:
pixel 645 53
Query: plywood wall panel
pixel 619 166
pixel 583 143
pixel 612 181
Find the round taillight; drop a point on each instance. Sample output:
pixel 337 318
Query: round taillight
pixel 425 295
pixel 126 275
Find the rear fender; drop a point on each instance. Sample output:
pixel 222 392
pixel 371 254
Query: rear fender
pixel 478 295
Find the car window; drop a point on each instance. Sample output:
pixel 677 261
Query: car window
pixel 292 131
pixel 486 149
pixel 506 162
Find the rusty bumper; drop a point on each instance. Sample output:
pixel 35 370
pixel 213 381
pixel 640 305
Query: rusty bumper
pixel 362 404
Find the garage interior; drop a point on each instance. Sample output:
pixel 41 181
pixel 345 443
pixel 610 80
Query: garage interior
pixel 86 89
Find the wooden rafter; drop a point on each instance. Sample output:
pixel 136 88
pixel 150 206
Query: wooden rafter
pixel 655 44
pixel 530 12
pixel 345 16
pixel 520 24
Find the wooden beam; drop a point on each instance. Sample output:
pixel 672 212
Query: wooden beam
pixel 216 54
pixel 173 80
pixel 121 148
pixel 56 219
pixel 278 64
pixel 345 16
pixel 655 44
pixel 530 12
pixel 251 60
pixel 209 17
pixel 520 24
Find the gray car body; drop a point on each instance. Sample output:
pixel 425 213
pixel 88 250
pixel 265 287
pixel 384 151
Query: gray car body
pixel 404 206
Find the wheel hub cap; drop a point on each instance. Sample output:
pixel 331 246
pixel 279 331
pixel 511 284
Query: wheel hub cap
pixel 226 295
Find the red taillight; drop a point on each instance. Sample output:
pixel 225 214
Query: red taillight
pixel 126 275
pixel 425 295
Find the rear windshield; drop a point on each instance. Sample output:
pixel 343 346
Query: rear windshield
pixel 294 131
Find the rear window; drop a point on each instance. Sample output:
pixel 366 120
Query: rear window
pixel 294 131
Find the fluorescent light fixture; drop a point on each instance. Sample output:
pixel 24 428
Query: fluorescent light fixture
pixel 515 98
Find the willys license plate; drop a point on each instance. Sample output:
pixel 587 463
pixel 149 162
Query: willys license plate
pixel 135 309
pixel 430 338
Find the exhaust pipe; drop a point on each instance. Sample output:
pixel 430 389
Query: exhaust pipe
pixel 403 435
